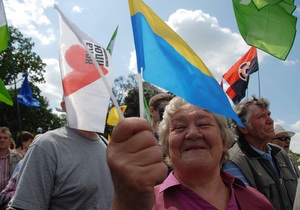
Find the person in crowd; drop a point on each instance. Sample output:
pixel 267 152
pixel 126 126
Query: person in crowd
pixel 196 142
pixel 8 158
pixel 283 138
pixel 23 141
pixel 64 169
pixel 156 108
pixel 7 193
pixel 259 164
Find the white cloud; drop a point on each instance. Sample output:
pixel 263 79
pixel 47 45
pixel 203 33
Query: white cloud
pixel 52 89
pixel 279 122
pixel 296 125
pixel 295 143
pixel 77 9
pixel 28 15
pixel 291 62
pixel 218 47
pixel 132 62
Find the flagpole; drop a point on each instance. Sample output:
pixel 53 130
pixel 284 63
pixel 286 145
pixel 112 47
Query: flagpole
pixel 141 94
pixel 258 78
pixel 16 94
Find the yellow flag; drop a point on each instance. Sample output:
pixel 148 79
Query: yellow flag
pixel 113 116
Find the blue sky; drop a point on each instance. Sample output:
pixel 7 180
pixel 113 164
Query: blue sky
pixel 209 27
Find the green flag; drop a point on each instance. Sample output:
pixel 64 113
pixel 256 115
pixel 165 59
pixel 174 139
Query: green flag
pixel 147 113
pixel 4 34
pixel 111 43
pixel 4 95
pixel 267 24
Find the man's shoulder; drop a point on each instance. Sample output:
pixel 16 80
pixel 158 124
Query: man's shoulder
pixel 15 154
pixel 235 150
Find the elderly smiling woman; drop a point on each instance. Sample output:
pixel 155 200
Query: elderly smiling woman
pixel 195 142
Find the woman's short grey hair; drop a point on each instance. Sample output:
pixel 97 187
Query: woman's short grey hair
pixel 172 108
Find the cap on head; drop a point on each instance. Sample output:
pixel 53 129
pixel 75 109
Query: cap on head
pixel 279 129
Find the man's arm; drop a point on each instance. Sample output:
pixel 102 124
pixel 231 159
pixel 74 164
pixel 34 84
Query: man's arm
pixel 136 163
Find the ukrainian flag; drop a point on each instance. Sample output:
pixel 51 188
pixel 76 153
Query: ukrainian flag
pixel 167 61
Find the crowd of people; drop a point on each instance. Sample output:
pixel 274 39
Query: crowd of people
pixel 188 158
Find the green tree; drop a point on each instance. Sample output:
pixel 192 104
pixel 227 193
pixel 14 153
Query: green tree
pixel 19 58
pixel 126 92
pixel 14 63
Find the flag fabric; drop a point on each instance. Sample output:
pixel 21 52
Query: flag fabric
pixel 113 115
pixel 268 25
pixel 4 34
pixel 85 92
pixel 4 95
pixel 147 110
pixel 25 95
pixel 112 41
pixel 239 74
pixel 167 61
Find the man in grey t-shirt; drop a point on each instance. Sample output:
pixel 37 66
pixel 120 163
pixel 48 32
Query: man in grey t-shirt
pixel 65 169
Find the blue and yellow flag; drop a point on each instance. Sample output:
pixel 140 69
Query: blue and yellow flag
pixel 167 61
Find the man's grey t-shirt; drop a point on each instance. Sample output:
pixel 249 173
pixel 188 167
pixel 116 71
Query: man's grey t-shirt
pixel 64 170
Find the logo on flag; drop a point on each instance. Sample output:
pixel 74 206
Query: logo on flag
pixel 84 71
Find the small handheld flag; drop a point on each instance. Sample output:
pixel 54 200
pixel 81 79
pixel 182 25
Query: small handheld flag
pixel 25 95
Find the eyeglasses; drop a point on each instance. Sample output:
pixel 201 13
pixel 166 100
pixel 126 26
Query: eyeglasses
pixel 283 138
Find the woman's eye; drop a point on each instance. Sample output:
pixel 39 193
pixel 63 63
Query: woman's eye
pixel 178 128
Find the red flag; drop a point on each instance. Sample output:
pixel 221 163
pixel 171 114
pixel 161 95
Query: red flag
pixel 238 75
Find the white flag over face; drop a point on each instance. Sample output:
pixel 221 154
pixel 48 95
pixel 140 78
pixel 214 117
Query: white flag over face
pixel 85 93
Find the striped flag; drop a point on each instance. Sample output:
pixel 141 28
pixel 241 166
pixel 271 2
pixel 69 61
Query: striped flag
pixel 167 61
pixel 4 34
pixel 239 74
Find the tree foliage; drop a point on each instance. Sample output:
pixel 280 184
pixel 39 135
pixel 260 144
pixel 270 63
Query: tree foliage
pixel 19 58
pixel 14 63
pixel 126 92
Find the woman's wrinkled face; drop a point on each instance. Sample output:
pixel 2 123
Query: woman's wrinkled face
pixel 195 140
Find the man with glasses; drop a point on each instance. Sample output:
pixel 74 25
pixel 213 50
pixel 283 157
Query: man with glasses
pixel 282 138
pixel 259 164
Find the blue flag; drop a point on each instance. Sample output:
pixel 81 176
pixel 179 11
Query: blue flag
pixel 167 61
pixel 25 95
